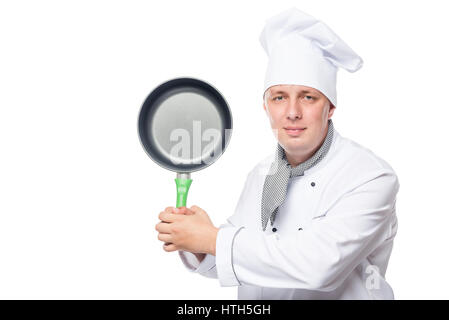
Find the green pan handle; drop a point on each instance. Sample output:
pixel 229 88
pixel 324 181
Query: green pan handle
pixel 183 183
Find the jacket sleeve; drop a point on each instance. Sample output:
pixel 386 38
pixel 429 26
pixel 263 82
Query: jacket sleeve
pixel 321 256
pixel 207 267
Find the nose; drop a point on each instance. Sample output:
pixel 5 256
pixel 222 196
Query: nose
pixel 294 110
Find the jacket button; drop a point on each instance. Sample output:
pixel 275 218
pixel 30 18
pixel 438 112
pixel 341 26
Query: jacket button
pixel 274 229
pixel 299 229
pixel 313 184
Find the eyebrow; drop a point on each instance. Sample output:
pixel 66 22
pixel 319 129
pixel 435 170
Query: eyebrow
pixel 283 92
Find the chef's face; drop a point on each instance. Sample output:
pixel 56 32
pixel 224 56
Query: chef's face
pixel 299 117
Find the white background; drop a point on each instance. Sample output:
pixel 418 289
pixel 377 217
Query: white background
pixel 79 198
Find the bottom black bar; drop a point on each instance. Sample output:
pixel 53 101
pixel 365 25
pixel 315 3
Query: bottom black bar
pixel 217 309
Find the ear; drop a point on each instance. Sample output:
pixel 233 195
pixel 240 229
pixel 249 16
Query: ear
pixel 331 110
pixel 265 108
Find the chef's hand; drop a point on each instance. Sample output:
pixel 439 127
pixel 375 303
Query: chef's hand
pixel 180 210
pixel 187 229
pixel 184 210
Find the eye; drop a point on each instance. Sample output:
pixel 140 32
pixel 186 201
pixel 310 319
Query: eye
pixel 310 98
pixel 276 98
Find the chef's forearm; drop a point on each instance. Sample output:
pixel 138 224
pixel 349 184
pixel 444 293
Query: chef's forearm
pixel 249 257
pixel 212 241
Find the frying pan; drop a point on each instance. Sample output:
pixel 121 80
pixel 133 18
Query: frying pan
pixel 184 126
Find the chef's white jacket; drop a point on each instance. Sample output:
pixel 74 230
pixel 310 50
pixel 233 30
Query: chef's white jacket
pixel 332 237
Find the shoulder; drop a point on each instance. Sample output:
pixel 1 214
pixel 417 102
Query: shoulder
pixel 353 165
pixel 355 156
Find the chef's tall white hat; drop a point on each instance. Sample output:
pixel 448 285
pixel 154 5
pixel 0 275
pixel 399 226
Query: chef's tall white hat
pixel 304 51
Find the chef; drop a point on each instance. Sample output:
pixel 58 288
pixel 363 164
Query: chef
pixel 316 219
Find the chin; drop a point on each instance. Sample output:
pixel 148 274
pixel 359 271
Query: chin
pixel 293 142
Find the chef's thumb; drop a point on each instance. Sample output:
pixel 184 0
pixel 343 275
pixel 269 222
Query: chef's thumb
pixel 197 210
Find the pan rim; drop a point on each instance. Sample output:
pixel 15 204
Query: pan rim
pixel 227 135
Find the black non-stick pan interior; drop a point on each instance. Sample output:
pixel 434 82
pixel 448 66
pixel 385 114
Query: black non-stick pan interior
pixel 185 109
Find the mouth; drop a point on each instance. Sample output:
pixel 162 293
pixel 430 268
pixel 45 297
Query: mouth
pixel 294 131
